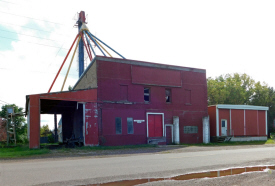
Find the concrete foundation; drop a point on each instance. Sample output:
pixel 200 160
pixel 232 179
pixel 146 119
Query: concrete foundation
pixel 258 138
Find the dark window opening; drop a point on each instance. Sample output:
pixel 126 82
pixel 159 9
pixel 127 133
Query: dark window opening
pixel 118 126
pixel 168 95
pixel 190 129
pixel 223 123
pixel 146 94
pixel 130 126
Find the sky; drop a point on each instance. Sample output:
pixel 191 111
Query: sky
pixel 236 36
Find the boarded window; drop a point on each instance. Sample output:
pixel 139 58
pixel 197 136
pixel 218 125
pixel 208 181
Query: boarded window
pixel 190 129
pixel 168 95
pixel 118 125
pixel 187 96
pixel 146 94
pixel 130 126
pixel 124 92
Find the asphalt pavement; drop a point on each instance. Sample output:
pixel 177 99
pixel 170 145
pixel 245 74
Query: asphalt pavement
pixel 91 170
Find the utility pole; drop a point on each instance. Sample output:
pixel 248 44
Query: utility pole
pixel 81 19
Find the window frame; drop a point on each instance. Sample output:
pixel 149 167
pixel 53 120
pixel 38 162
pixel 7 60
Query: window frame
pixel 170 96
pixel 131 124
pixel 149 96
pixel 116 127
pixel 190 129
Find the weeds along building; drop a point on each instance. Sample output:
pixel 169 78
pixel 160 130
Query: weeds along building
pixel 127 102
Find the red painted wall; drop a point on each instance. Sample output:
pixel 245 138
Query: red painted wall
pixel 212 120
pixel 169 135
pixel 154 76
pixel 251 122
pixel 237 122
pixel 262 126
pixel 108 134
pixel 111 75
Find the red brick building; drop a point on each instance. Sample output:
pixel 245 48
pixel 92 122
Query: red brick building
pixel 239 122
pixel 127 102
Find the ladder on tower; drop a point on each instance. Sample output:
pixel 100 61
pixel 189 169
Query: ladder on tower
pixel 11 133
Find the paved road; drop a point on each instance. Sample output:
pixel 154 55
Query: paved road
pixel 76 171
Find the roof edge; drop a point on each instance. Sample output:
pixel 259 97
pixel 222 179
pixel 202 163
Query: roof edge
pixel 150 64
pixel 244 107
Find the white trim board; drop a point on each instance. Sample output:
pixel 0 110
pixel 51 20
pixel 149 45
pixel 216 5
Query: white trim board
pixel 245 107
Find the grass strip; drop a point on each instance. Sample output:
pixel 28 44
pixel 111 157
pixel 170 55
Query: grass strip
pixel 21 151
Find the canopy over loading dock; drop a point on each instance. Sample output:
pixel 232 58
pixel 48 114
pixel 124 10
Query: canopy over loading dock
pixel 70 105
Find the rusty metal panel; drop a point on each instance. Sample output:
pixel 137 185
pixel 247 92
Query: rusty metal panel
pixel 155 76
pixel 91 124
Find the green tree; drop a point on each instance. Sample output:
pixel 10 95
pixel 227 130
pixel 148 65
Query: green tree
pixel 241 89
pixel 45 131
pixel 230 89
pixel 19 121
pixel 70 88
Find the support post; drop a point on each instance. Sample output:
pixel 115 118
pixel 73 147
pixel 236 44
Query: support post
pixel 81 19
pixel 176 132
pixel 55 129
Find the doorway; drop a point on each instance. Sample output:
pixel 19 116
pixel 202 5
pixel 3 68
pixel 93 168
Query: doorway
pixel 224 127
pixel 155 125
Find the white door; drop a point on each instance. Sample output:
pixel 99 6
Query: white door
pixel 224 127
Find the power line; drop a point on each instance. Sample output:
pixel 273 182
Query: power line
pixel 33 28
pixel 33 43
pixel 32 18
pixel 7 2
pixel 28 35
pixel 4 102
pixel 39 71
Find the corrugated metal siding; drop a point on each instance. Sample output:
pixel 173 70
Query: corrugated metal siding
pixel 237 117
pixel 251 121
pixel 262 125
